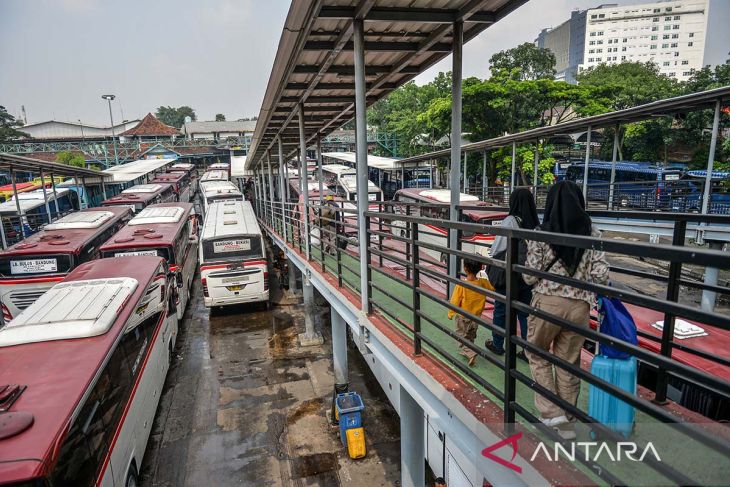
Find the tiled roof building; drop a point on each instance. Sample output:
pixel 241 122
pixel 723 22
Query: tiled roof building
pixel 150 126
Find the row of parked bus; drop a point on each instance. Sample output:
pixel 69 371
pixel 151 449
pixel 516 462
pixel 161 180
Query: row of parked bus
pixel 97 296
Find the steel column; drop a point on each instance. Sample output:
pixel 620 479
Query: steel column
pixel 456 72
pixel 303 177
pixel 412 441
pixel 45 196
pixel 614 158
pixel 339 347
pixel 536 163
pixel 361 158
pixel 17 202
pixel 83 188
pixel 430 174
pixel 55 196
pixel 707 193
pixel 2 234
pixel 484 176
pixel 103 188
pixel 310 337
pixel 585 166
pixel 711 275
pixel 464 174
pixel 319 170
pixel 271 186
pixel 282 190
pixel 512 176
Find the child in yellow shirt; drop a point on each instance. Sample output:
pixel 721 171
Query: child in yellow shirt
pixel 471 302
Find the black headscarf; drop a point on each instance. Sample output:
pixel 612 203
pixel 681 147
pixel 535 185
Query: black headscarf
pixel 565 213
pixel 522 205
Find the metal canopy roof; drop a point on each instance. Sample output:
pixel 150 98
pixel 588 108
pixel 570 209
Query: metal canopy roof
pixel 21 163
pixel 667 107
pixel 314 63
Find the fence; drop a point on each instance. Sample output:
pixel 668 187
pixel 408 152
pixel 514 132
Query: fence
pixel 407 281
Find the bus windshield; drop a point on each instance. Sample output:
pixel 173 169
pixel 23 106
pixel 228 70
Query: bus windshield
pixel 232 247
pixel 34 265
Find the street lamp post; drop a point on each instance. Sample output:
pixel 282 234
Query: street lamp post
pixel 109 99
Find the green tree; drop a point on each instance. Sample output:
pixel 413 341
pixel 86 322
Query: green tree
pixel 71 159
pixel 528 61
pixel 219 117
pixel 175 117
pixel 9 127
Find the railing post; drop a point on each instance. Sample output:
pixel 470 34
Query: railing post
pixel 368 267
pixel 380 237
pixel 511 294
pixel 339 260
pixel 416 296
pixel 321 239
pixel 675 273
pixel 408 244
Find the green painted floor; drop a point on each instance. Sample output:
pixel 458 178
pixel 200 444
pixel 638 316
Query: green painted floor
pixel 700 463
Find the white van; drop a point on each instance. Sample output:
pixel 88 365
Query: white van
pixel 232 255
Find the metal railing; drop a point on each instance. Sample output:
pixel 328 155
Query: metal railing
pixel 408 275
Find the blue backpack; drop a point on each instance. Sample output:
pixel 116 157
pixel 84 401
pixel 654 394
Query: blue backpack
pixel 616 321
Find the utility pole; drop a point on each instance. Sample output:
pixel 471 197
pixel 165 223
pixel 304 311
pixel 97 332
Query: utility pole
pixel 109 99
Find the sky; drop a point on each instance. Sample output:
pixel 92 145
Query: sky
pixel 57 57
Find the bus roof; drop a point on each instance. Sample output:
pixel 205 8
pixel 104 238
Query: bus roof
pixel 625 166
pixel 169 177
pixel 349 183
pixel 154 226
pixel 437 195
pixel 140 193
pixel 183 166
pixel 70 233
pixel 376 162
pixel 53 397
pixel 217 175
pixel 338 169
pixel 230 218
pixel 30 200
pixel 211 188
pixel 125 173
pixel 716 175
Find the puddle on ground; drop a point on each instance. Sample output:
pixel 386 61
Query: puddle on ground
pixel 315 464
pixel 283 333
pixel 306 408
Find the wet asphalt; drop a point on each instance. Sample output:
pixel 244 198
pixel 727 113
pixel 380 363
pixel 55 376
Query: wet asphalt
pixel 243 404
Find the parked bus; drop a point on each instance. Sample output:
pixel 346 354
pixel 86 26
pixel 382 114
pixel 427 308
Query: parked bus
pixel 168 230
pixel 86 365
pixel 438 209
pixel 217 175
pixel 219 166
pixel 233 267
pixel 636 185
pixel 192 173
pixel 219 190
pixel 142 195
pixel 29 268
pixel 33 211
pixel 180 183
pixel 688 193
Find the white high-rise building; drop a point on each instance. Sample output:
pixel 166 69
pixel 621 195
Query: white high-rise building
pixel 677 35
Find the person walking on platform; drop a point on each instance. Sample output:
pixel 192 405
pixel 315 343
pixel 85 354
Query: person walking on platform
pixel 522 214
pixel 472 302
pixel 330 217
pixel 564 213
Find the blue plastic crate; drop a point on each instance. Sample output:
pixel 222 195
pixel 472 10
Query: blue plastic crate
pixel 348 402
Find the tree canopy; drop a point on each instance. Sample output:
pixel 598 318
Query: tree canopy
pixel 9 127
pixel 219 117
pixel 175 117
pixel 71 159
pixel 526 62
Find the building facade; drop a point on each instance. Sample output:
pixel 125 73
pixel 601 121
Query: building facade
pixel 677 35
pixel 566 42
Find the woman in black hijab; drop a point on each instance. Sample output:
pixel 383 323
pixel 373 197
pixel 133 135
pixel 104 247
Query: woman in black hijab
pixel 564 213
pixel 522 214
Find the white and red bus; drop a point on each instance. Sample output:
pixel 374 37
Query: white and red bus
pixel 86 364
pixel 29 268
pixel 218 191
pixel 191 171
pixel 216 175
pixel 233 267
pixel 180 182
pixel 438 201
pixel 219 166
pixel 167 230
pixel 141 195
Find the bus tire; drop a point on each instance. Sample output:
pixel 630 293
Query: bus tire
pixel 131 477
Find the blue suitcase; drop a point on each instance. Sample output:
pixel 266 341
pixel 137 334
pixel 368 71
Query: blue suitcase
pixel 606 408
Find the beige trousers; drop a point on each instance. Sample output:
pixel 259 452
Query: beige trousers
pixel 466 329
pixel 563 343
